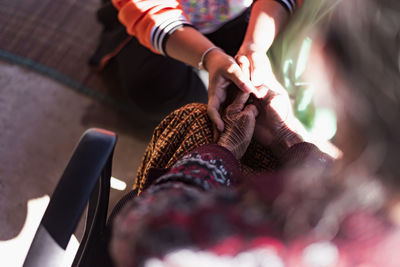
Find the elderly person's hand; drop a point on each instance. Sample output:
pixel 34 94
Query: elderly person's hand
pixel 239 122
pixel 276 126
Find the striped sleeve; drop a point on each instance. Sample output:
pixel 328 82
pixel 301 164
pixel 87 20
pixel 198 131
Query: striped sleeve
pixel 151 21
pixel 290 5
pixel 165 27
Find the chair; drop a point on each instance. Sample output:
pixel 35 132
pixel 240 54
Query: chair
pixel 86 180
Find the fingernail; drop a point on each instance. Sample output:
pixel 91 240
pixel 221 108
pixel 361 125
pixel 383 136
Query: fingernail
pixel 262 91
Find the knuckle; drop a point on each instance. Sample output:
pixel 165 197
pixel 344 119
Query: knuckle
pixel 245 115
pixel 232 69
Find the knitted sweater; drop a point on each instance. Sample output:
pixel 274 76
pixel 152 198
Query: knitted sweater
pixel 204 212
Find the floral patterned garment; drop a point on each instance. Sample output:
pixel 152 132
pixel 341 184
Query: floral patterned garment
pixel 209 15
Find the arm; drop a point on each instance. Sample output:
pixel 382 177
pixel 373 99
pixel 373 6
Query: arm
pixel 162 26
pixel 267 19
pixel 151 21
pixel 188 45
pixel 276 126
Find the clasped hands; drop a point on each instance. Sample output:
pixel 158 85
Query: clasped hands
pixel 267 114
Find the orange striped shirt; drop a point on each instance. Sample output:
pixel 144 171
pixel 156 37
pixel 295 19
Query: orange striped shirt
pixel 152 21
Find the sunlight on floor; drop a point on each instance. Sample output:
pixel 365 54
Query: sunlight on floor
pixel 13 251
pixel 117 184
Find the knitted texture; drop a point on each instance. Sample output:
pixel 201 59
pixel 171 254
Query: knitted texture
pixel 186 129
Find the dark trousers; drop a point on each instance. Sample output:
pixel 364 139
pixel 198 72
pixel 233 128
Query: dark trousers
pixel 159 84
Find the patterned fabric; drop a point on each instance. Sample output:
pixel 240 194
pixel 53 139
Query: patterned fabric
pixel 209 15
pixel 173 224
pixel 174 216
pixel 192 216
pixel 204 171
pixel 186 129
pixel 193 208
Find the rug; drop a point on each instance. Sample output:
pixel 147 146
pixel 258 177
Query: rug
pixel 56 38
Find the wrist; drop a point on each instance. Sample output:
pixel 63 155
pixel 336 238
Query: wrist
pixel 224 145
pixel 202 63
pixel 228 147
pixel 285 139
pixel 208 55
pixel 249 47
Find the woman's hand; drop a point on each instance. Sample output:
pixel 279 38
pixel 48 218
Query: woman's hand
pixel 223 70
pixel 239 122
pixel 255 64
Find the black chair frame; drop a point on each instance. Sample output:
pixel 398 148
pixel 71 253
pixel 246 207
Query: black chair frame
pixel 86 180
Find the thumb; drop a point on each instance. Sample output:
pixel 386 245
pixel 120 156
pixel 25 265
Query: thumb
pixel 244 64
pixel 213 113
pixel 241 99
pixel 251 110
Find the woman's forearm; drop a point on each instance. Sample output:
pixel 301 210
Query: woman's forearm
pixel 187 45
pixel 266 20
pixel 191 47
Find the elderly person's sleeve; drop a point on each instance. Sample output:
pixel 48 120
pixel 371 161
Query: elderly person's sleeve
pixel 206 167
pixel 151 21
